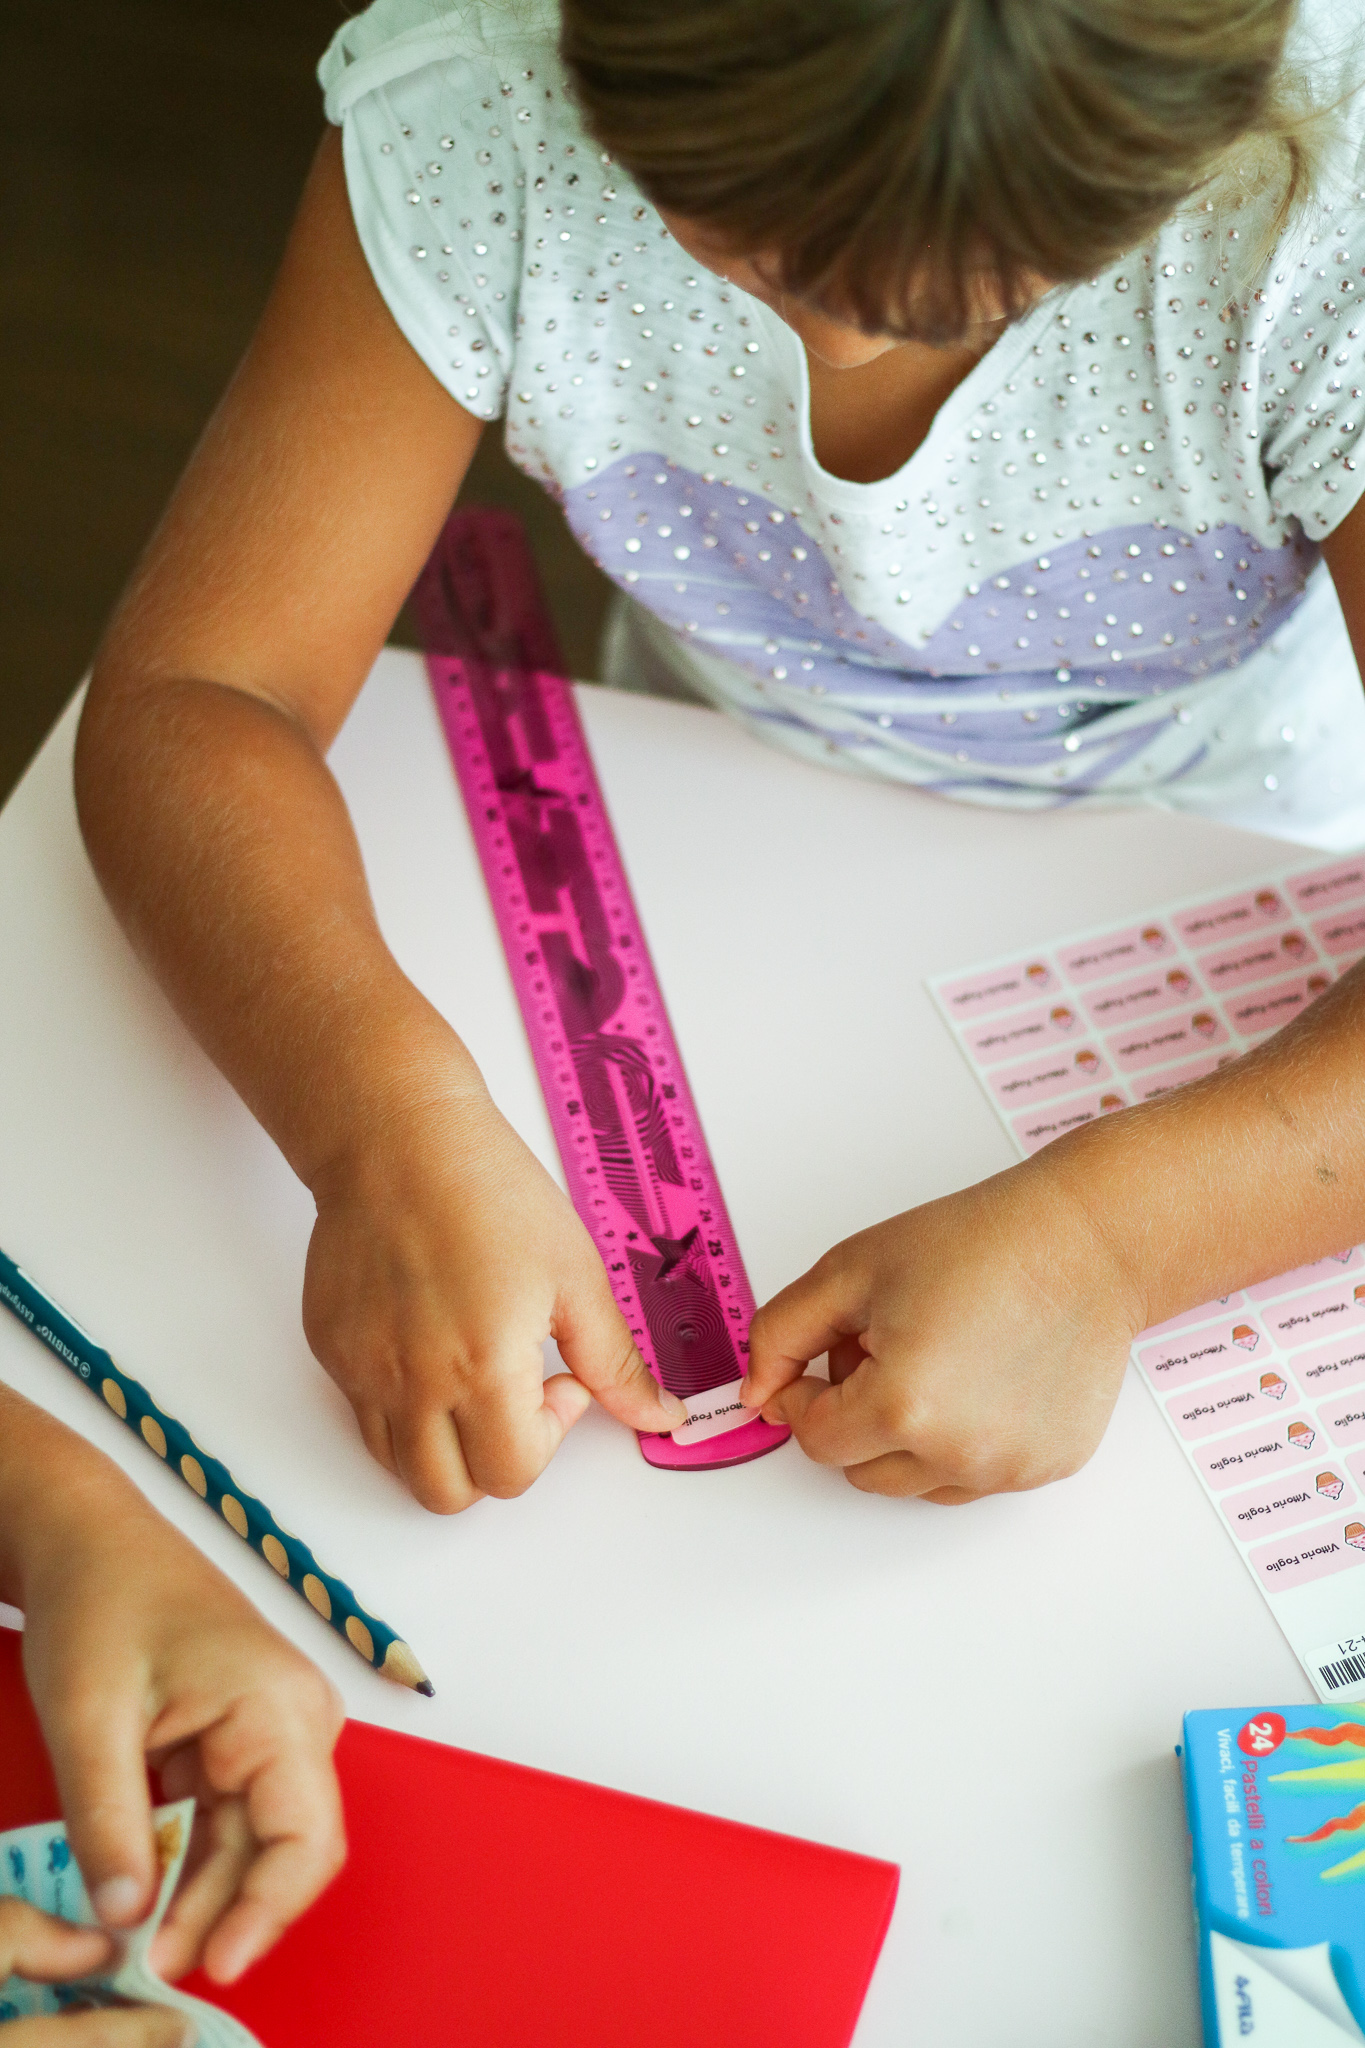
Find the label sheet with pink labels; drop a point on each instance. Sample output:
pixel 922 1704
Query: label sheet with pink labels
pixel 1264 1391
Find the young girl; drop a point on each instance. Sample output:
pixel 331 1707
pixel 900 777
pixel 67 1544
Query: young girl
pixel 134 1646
pixel 962 391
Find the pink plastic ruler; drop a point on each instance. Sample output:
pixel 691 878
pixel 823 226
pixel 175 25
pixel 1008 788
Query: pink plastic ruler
pixel 635 1157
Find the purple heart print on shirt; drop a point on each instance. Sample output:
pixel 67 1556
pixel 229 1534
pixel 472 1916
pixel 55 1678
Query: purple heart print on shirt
pixel 1090 626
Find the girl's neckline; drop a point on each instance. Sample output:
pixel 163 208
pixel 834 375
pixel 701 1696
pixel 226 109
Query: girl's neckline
pixel 988 375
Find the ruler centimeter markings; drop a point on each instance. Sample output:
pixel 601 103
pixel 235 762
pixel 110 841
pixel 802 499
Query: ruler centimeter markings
pixel 635 1157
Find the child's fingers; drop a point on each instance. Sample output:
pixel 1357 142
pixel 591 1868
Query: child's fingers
pixel 566 1398
pixel 847 1424
pixel 294 1807
pixel 794 1405
pixel 265 1780
pixel 32 1944
pixel 279 1885
pixel 508 1430
pixel 377 1437
pixel 139 2026
pixel 431 1461
pixel 596 1346
pixel 900 1475
pixel 94 1732
pixel 48 1951
pixel 846 1354
pixel 806 1319
pixel 205 1898
pixel 857 1423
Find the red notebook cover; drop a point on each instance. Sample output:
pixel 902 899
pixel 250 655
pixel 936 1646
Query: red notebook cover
pixel 485 1905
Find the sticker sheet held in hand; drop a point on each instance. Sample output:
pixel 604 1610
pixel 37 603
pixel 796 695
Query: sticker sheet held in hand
pixel 36 1865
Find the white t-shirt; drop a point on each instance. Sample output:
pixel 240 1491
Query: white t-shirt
pixel 1097 578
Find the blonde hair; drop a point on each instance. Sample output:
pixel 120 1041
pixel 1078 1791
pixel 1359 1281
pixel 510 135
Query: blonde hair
pixel 885 155
pixel 1266 179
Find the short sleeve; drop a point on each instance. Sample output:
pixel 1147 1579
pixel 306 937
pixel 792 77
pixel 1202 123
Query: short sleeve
pixel 1310 382
pixel 439 122
pixel 1312 372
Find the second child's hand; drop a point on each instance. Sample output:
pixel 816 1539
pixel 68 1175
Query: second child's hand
pixel 163 1662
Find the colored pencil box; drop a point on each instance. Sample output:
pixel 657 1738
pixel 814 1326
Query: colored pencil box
pixel 1276 1805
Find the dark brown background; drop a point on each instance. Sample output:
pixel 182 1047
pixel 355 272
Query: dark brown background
pixel 150 157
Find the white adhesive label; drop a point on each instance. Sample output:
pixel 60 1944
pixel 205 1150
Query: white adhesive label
pixel 1278 1997
pixel 712 1413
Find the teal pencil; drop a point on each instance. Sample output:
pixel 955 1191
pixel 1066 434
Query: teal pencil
pixel 330 1597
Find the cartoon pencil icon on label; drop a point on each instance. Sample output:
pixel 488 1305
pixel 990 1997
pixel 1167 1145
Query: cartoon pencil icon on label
pixel 1244 1337
pixel 1301 1436
pixel 1329 1486
pixel 1273 1385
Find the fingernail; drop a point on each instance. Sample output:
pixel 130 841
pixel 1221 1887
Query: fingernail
pixel 673 1408
pixel 237 1962
pixel 744 1391
pixel 771 1412
pixel 117 1900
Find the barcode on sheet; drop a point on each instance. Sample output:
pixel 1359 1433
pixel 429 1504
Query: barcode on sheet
pixel 1339 1668
pixel 1345 1671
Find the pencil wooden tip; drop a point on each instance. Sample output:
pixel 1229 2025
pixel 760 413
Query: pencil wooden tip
pixel 401 1666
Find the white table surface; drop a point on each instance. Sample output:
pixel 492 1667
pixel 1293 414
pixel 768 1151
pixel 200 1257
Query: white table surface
pixel 988 1696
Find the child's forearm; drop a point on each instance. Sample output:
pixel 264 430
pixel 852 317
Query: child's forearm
pixel 225 849
pixel 1252 1171
pixel 52 1482
pixel 443 1255
pixel 222 842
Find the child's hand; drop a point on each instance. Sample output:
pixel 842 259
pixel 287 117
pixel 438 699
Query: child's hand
pixel 442 1259
pixel 51 1952
pixel 136 1649
pixel 975 1345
